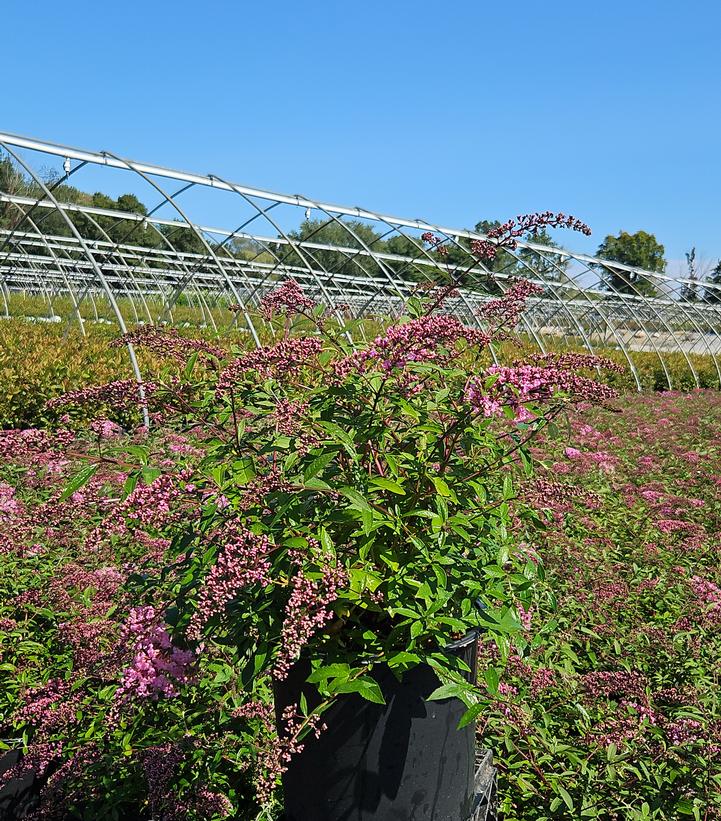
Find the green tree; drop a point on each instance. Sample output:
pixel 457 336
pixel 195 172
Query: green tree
pixel 346 234
pixel 714 278
pixel 185 240
pixel 13 182
pixel 641 250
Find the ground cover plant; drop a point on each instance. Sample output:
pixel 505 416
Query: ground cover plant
pixel 154 583
pixel 613 710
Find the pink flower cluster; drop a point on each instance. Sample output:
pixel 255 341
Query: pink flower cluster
pixel 588 460
pixel 708 597
pixel 287 299
pixel 275 749
pixel 158 666
pixel 180 445
pixel 166 500
pixel 242 561
pixel 542 679
pixel 508 309
pixel 574 362
pixel 513 387
pixel 36 761
pixel 435 242
pixel 306 612
pixel 683 731
pixel 160 764
pixel 418 340
pixel 120 393
pixel 288 416
pixel 614 683
pixel 202 803
pixel 285 357
pixel 526 617
pixel 50 707
pixel 559 497
pixel 257 492
pixel 18 445
pixel 72 581
pixel 273 759
pixel 628 726
pixel 91 643
pixel 105 429
pixel 9 505
pixel 506 235
pixel 169 343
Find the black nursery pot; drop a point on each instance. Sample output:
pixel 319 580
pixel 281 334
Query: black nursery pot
pixel 18 795
pixel 400 760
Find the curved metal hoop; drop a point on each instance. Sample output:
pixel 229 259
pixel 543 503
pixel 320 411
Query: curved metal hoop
pixel 356 261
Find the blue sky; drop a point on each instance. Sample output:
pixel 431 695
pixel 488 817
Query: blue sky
pixel 452 112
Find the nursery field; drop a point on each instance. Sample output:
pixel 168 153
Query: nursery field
pixel 598 674
pixel 615 712
pixel 41 361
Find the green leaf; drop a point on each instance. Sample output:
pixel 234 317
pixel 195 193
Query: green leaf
pixel 441 487
pixel 416 629
pixel 81 478
pixel 567 800
pixel 190 365
pixel 140 453
pixel 365 686
pixel 327 672
pixel 388 484
pixel 130 484
pixel 317 465
pixel 402 659
pixel 150 474
pixel 317 484
pixel 450 689
pixel 470 715
pixel 490 676
pixel 243 470
pixel 338 433
pixel 358 500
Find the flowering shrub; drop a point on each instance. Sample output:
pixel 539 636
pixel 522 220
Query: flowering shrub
pixel 353 506
pixel 41 362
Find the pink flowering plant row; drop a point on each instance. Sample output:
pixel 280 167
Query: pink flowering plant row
pixel 613 708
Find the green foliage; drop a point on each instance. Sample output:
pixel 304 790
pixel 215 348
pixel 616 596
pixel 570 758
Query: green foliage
pixel 615 573
pixel 357 236
pixel 363 516
pixel 41 361
pixel 640 250
pixel 713 295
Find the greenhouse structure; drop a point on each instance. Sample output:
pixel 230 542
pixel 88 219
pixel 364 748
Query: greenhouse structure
pixel 199 249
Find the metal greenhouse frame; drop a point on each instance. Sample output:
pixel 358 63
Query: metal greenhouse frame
pixel 171 262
